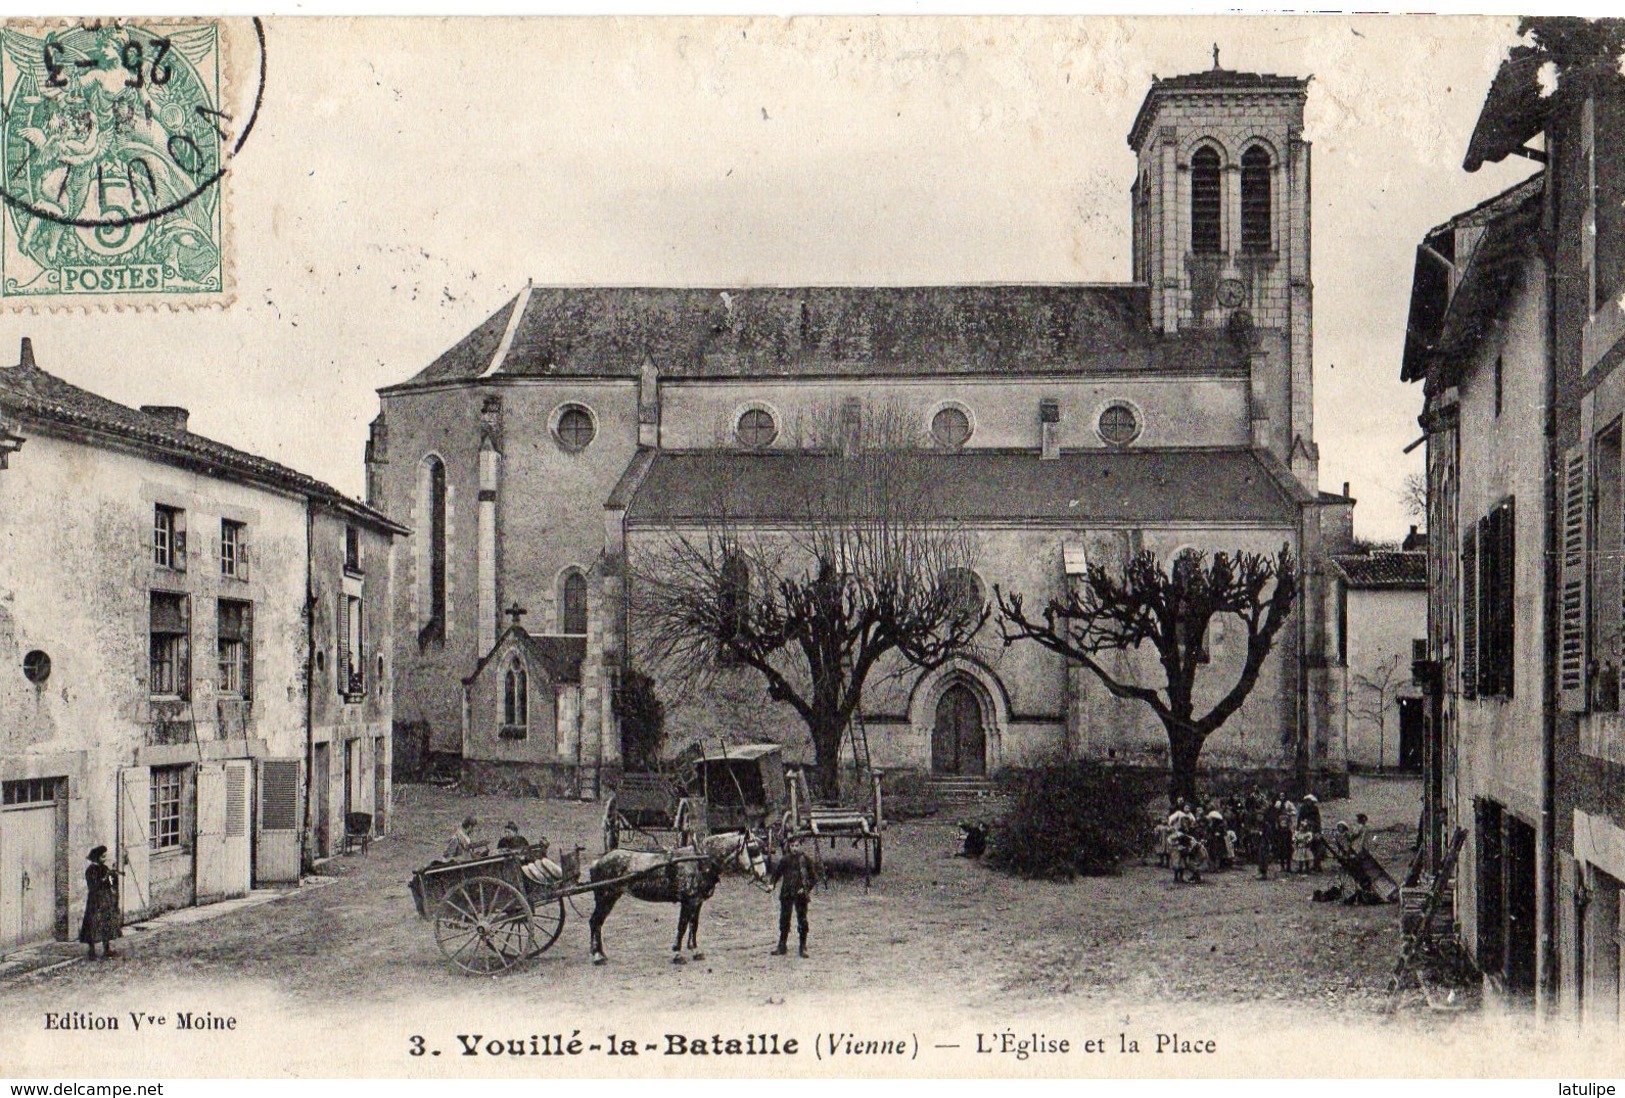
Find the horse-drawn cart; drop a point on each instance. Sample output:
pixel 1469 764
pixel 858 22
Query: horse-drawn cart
pixel 493 913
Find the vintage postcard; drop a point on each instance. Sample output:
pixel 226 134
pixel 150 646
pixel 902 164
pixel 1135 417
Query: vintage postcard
pixel 818 548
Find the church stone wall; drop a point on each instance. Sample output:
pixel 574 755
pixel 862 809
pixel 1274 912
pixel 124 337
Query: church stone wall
pixel 446 423
pixel 549 516
pixel 1173 410
pixel 1039 707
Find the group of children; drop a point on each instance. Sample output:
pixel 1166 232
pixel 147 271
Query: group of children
pixel 793 871
pixel 1279 831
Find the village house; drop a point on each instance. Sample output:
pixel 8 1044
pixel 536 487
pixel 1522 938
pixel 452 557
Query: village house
pixel 1518 320
pixel 1063 423
pixel 1381 619
pixel 1477 342
pixel 164 690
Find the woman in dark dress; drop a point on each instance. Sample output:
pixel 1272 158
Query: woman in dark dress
pixel 102 923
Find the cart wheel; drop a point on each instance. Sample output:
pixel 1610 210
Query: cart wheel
pixel 483 926
pixel 546 921
pixel 879 850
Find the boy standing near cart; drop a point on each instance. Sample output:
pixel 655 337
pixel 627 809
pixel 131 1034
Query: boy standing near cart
pixel 795 874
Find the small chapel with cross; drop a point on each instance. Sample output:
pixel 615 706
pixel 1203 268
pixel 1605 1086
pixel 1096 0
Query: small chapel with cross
pixel 522 710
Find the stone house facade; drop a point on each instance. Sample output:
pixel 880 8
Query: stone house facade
pixel 1381 618
pixel 153 632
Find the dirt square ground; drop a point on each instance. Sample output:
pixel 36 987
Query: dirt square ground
pixel 950 930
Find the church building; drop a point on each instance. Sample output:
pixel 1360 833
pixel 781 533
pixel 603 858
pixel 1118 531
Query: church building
pixel 1063 423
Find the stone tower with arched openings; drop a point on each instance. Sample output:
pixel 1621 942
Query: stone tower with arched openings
pixel 1221 234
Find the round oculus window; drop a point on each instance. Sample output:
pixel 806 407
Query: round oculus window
pixel 950 427
pixel 575 428
pixel 36 667
pixel 1119 425
pixel 756 428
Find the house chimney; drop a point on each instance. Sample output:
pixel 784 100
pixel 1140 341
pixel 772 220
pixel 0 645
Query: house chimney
pixel 1049 429
pixel 168 414
pixel 26 358
pixel 1345 489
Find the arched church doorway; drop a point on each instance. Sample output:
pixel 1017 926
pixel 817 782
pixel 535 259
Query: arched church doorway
pixel 959 740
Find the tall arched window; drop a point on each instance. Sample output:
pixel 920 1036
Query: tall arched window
pixel 1206 200
pixel 433 609
pixel 1255 200
pixel 573 603
pixel 516 699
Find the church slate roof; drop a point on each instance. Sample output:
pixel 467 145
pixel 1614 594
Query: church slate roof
pixel 32 394
pixel 824 331
pixel 1127 486
pixel 1384 571
pixel 560 656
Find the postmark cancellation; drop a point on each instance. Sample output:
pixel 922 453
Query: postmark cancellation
pixel 115 139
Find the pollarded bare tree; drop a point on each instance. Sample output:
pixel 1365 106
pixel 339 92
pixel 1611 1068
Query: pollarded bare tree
pixel 854 568
pixel 1112 611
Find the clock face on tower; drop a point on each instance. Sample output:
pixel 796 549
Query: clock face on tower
pixel 1231 292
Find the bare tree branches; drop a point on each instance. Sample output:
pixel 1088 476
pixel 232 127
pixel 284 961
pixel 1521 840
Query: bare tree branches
pixel 1171 610
pixel 1413 495
pixel 1375 694
pixel 856 566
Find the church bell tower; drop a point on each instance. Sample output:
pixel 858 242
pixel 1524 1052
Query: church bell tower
pixel 1221 234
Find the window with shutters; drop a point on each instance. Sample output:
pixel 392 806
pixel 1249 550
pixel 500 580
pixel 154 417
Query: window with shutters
pixel 167 804
pixel 169 664
pixel 1572 660
pixel 733 604
pixel 349 667
pixel 1606 556
pixel 352 551
pixel 1469 612
pixel 1206 201
pixel 233 549
pixel 234 632
pixel 169 537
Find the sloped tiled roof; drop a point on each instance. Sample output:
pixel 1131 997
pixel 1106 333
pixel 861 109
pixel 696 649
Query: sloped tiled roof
pixel 827 331
pixel 1384 571
pixel 1515 108
pixel 31 394
pixel 1445 326
pixel 1131 486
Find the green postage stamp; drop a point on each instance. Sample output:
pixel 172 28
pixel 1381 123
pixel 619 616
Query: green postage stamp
pixel 114 145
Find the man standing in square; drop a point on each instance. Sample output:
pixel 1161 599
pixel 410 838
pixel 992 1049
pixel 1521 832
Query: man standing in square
pixel 795 874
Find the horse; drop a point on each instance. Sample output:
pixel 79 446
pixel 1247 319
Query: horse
pixel 686 878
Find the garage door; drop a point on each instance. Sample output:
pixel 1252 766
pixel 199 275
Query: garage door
pixel 28 861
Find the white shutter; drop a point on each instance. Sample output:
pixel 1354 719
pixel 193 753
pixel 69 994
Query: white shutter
pixel 1571 643
pixel 134 829
pixel 210 843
